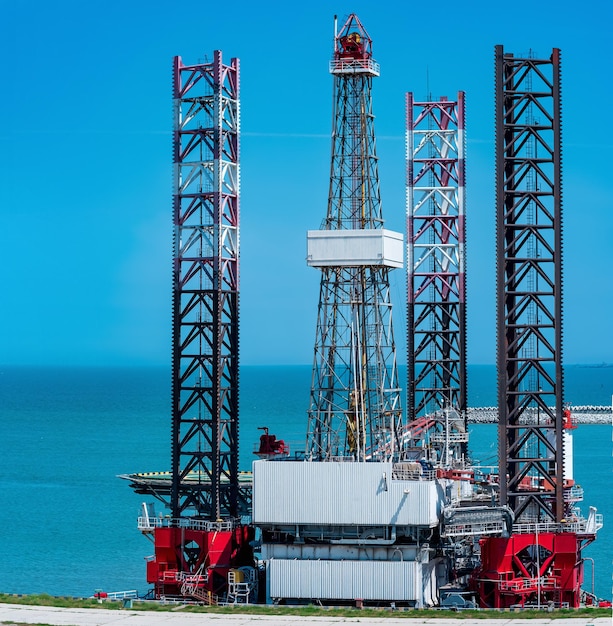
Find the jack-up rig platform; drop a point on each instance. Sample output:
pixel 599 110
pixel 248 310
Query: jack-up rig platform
pixel 378 509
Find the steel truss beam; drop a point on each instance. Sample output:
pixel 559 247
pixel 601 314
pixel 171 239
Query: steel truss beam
pixel 529 285
pixel 436 309
pixel 205 289
pixel 355 398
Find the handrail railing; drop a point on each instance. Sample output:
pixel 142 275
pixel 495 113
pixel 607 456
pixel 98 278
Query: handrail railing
pixel 354 66
pixel 416 473
pixel 529 584
pixel 149 523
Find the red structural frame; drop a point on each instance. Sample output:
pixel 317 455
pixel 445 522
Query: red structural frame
pixel 538 569
pixel 192 562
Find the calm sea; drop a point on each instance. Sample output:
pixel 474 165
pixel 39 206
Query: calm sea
pixel 68 524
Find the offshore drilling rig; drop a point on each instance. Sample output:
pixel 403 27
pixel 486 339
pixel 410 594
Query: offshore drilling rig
pixel 375 510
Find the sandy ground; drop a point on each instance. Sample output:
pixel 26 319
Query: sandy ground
pixel 20 614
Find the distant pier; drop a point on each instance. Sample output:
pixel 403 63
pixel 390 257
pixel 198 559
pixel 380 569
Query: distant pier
pixel 589 414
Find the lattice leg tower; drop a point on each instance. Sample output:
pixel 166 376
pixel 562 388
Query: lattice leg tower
pixel 436 309
pixel 205 289
pixel 529 278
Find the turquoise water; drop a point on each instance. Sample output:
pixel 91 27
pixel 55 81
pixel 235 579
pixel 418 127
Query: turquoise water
pixel 68 524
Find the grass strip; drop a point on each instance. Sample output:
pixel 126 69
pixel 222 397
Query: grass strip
pixel 305 611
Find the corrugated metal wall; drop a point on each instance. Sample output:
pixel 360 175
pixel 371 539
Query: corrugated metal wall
pixel 298 492
pixel 348 580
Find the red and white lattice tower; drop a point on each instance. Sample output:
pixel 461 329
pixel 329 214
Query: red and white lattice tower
pixel 436 310
pixel 200 544
pixel 205 289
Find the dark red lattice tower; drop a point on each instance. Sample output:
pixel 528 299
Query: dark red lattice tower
pixel 529 285
pixel 540 563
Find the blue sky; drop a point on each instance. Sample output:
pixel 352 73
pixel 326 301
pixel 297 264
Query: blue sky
pixel 85 163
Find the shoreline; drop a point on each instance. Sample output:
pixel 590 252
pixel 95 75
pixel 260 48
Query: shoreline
pixel 580 415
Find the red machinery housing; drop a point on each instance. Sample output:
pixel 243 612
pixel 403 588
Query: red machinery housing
pixel 530 568
pixel 195 563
